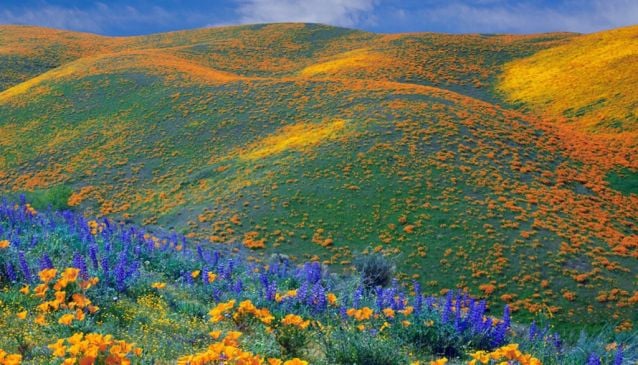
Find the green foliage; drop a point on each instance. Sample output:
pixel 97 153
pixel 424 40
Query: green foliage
pixel 292 340
pixel 56 197
pixel 357 348
pixel 624 180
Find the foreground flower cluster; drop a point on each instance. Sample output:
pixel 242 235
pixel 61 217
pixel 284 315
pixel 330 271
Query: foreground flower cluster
pixel 106 291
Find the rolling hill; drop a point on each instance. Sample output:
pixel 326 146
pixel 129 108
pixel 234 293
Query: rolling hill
pixel 326 143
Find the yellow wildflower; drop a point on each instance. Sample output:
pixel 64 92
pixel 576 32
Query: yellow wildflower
pixel 58 348
pixel 47 275
pixel 66 319
pixel 158 285
pixel 389 312
pixel 441 361
pixel 295 320
pixel 70 274
pixel 296 361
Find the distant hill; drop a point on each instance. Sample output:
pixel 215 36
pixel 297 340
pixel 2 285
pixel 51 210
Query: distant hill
pixel 592 79
pixel 323 143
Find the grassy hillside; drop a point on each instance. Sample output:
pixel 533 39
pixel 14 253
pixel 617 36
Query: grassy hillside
pixel 588 88
pixel 27 51
pixel 325 144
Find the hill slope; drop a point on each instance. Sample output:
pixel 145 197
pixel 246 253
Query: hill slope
pixel 592 77
pixel 323 142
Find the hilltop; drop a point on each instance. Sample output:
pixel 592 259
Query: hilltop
pixel 325 143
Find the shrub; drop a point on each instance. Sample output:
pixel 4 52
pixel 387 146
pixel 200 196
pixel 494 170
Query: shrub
pixel 375 270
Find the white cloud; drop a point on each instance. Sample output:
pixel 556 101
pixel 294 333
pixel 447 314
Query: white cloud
pixel 347 13
pixel 529 17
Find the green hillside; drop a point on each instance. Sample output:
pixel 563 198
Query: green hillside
pixel 325 143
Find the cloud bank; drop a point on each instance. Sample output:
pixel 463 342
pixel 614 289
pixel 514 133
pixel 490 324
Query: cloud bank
pixel 347 13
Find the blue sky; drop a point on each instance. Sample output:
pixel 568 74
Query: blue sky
pixel 117 17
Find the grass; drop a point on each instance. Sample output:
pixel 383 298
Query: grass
pixel 624 180
pixel 56 198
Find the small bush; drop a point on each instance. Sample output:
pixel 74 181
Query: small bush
pixel 375 270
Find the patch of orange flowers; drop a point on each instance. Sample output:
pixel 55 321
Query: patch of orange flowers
pixel 94 348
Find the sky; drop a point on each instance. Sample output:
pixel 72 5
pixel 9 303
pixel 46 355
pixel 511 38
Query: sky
pixel 117 17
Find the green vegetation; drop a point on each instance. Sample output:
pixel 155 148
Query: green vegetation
pixel 55 197
pixel 624 180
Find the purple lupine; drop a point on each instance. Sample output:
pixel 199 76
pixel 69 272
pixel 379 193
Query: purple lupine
pixel 183 239
pixel 217 294
pixel 271 291
pixel 263 279
pixel 380 298
pixel 458 327
pixel 343 312
pixel 204 275
pixel 356 298
pixel 318 298
pixel 312 272
pixel 618 358
pixel 429 302
pixel 500 331
pixel 418 298
pixel 24 266
pixel 533 331
pixel 302 292
pixel 472 316
pixel 447 309
pixel 215 260
pixel 133 268
pixel 238 287
pixel 556 341
pixel 593 359
pixel 398 301
pixel 105 266
pixel 120 272
pixel 15 241
pixel 45 262
pixel 11 272
pixel 476 317
pixel 200 253
pixel 506 316
pixel 188 277
pixel 486 325
pixel 93 256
